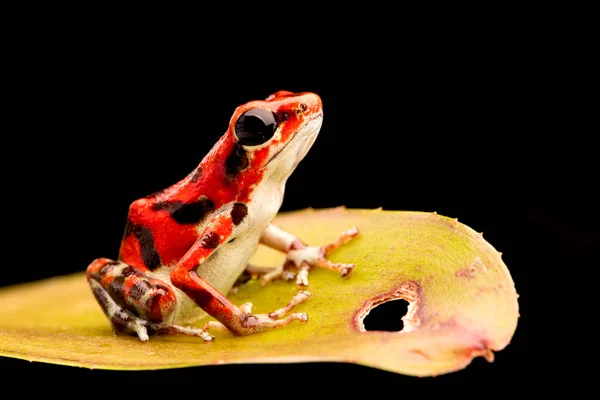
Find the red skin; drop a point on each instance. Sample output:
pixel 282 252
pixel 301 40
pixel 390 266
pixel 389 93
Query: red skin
pixel 181 246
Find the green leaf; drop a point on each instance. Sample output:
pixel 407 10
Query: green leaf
pixel 463 304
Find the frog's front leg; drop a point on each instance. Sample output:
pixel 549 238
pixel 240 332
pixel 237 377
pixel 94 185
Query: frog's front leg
pixel 301 256
pixel 238 320
pixel 133 302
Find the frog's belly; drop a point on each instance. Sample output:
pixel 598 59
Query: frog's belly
pixel 221 270
pixel 223 267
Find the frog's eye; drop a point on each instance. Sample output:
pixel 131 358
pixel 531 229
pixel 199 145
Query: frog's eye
pixel 255 127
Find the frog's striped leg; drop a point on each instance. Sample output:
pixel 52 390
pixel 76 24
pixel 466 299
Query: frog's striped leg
pixel 303 257
pixel 133 302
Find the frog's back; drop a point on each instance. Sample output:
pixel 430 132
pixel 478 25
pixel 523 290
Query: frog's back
pixel 163 226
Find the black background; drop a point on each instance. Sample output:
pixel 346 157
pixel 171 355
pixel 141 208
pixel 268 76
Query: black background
pixel 447 128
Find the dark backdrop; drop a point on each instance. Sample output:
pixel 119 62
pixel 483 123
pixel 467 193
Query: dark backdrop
pixel 444 130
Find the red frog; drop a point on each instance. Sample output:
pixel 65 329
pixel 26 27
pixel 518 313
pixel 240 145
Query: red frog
pixel 185 247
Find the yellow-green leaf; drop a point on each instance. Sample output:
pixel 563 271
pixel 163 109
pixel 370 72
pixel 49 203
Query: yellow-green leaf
pixel 462 299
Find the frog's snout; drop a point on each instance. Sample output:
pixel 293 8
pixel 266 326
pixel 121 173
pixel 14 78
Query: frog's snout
pixel 311 102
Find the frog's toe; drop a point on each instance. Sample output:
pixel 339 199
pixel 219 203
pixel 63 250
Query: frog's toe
pixel 343 269
pixel 182 330
pixel 142 332
pixel 298 298
pixel 302 275
pixel 272 275
pixel 344 238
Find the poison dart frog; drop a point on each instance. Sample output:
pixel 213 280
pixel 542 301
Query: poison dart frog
pixel 185 247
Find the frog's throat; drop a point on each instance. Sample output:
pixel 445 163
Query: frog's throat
pixel 301 142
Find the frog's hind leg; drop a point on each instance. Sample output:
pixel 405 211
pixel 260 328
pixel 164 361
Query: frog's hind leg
pixel 133 302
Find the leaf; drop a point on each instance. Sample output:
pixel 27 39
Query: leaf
pixel 463 304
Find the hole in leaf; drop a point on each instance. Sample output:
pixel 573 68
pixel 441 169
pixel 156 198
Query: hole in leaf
pixel 386 316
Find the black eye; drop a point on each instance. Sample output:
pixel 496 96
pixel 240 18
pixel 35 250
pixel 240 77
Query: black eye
pixel 255 126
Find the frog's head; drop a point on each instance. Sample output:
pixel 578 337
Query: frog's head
pixel 270 137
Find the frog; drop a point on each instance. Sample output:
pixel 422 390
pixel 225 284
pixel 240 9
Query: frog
pixel 186 247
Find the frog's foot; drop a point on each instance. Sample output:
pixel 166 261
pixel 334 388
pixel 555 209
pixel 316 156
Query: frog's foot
pixel 304 258
pixel 254 323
